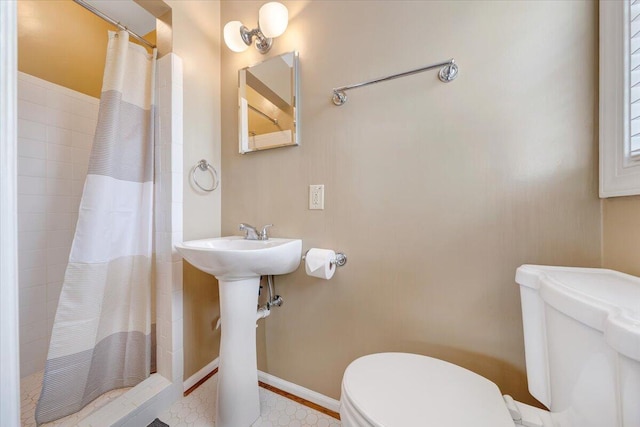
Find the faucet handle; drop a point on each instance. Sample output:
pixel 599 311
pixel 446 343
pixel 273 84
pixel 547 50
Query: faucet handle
pixel 263 234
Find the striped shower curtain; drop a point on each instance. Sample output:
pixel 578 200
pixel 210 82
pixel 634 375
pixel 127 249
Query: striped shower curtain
pixel 102 330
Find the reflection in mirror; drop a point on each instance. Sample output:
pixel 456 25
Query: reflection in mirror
pixel 268 94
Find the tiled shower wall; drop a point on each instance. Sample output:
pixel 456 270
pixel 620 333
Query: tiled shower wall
pixel 55 133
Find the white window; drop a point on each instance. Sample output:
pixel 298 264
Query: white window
pixel 619 98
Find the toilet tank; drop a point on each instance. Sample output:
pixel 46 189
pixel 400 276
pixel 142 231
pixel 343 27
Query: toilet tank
pixel 582 343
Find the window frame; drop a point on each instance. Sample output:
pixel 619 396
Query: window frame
pixel 619 170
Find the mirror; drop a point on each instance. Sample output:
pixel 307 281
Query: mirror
pixel 268 98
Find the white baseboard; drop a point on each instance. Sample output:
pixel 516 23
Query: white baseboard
pixel 193 379
pixel 305 393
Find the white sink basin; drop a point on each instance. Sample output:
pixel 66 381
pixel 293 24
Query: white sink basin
pixel 234 257
pixel 238 264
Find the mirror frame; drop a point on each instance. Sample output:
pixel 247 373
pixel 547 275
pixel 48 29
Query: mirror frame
pixel 243 117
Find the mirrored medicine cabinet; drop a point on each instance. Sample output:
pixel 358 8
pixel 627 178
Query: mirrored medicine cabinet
pixel 268 96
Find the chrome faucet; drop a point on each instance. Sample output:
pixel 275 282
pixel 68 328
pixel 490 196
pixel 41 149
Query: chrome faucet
pixel 253 234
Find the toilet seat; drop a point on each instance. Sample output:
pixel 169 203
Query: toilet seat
pixel 401 389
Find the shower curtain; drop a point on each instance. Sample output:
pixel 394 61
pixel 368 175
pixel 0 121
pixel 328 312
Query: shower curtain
pixel 102 329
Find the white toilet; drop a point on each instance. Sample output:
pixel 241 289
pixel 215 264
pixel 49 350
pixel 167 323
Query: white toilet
pixel 582 346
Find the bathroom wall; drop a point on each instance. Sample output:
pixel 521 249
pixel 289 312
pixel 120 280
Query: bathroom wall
pixel 436 192
pixel 621 234
pixel 55 132
pixel 196 39
pixel 69 55
pixel 50 48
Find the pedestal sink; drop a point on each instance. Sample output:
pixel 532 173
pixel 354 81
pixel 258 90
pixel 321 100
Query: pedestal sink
pixel 238 264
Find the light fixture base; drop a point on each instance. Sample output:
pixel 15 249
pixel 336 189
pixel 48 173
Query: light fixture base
pixel 263 44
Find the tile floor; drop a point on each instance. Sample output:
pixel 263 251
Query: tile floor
pixel 30 392
pixel 195 410
pixel 198 410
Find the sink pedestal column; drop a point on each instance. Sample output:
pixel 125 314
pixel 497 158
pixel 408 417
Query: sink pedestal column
pixel 238 401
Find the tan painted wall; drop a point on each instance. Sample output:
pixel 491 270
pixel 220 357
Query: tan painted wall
pixel 436 192
pixel 621 234
pixel 63 43
pixel 196 39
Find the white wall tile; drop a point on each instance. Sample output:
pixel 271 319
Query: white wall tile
pixel 59 153
pixel 61 221
pixel 32 277
pixel 59 118
pixel 33 167
pixel 28 260
pixel 86 109
pixel 33 331
pixel 59 101
pixel 57 204
pixel 34 296
pixel 50 153
pixel 176 217
pixel 59 170
pixel 32 185
pixel 57 135
pixel 32 222
pixel 176 158
pixel 176 308
pixel 58 187
pixel 32 356
pixel 31 130
pixel 176 73
pixel 31 204
pixel 31 148
pixel 84 125
pixel 31 240
pixel 32 112
pixel 38 314
pixel 30 92
pixel 177 280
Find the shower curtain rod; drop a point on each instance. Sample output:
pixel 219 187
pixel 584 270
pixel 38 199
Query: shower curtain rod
pixel 114 22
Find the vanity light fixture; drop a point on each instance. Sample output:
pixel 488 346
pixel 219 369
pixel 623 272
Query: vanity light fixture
pixel 273 18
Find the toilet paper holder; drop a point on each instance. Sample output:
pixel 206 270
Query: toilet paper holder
pixel 338 261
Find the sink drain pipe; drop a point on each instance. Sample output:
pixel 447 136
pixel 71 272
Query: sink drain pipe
pixel 273 300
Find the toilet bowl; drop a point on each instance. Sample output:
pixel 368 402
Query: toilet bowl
pixel 413 390
pixel 582 346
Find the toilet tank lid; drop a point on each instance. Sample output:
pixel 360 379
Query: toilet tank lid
pixel 605 300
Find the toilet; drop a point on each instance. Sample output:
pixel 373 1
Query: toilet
pixel 582 348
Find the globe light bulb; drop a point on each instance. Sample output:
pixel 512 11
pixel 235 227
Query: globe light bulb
pixel 273 18
pixel 233 38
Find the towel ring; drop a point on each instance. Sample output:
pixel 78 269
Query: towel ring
pixel 203 165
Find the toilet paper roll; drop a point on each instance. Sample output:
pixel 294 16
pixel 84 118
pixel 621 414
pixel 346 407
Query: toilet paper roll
pixel 317 263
